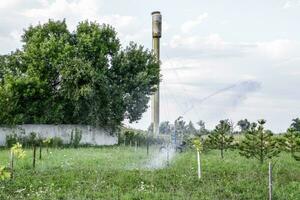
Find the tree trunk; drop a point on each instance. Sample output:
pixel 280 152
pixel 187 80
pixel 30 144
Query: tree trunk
pixel 34 155
pixel 222 153
pixel 40 152
pixel 147 146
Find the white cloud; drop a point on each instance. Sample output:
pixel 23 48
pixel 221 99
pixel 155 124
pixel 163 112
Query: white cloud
pixel 8 4
pixel 287 5
pixel 278 49
pixel 118 20
pixel 190 24
pixel 291 4
pixel 215 45
pixel 73 11
pixel 210 45
pixel 76 11
pixel 212 41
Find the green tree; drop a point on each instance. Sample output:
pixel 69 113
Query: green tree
pixel 165 128
pixel 180 127
pixel 82 77
pixel 296 124
pixel 291 143
pixel 244 125
pixel 221 138
pixel 202 130
pixel 259 143
pixel 191 130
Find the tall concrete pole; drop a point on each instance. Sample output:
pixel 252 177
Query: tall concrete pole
pixel 156 35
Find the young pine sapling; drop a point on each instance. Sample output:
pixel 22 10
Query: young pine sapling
pixel 16 151
pixel 259 143
pixel 221 137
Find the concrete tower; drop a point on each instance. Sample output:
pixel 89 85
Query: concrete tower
pixel 156 35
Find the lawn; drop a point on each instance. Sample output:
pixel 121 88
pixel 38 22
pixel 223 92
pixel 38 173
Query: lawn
pixel 121 173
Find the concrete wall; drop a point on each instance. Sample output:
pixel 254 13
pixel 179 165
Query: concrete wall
pixel 90 135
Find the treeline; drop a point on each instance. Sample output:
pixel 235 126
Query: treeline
pixel 79 77
pixel 252 139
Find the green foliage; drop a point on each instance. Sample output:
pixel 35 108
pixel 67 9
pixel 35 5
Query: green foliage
pixel 202 130
pixel 197 144
pixel 18 151
pixel 56 142
pixel 191 130
pixel 84 77
pixel 4 173
pixel 296 124
pixel 141 137
pixel 11 139
pixel 129 136
pixel 291 143
pixel 259 143
pixel 221 137
pixel 165 128
pixel 244 125
pixel 76 136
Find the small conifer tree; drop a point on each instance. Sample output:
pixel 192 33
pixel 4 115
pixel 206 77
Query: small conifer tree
pixel 221 137
pixel 259 143
pixel 291 143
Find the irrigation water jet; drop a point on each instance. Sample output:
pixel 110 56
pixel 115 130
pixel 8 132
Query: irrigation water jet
pixel 161 158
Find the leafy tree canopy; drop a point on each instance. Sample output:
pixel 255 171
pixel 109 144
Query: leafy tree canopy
pixel 83 77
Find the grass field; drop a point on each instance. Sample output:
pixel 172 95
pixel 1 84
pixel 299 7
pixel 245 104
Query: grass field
pixel 119 173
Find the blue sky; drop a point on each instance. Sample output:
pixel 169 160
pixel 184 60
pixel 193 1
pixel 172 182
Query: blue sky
pixel 251 47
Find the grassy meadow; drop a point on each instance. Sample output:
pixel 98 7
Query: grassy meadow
pixel 120 173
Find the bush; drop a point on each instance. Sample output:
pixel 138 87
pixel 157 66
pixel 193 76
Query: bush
pixel 56 142
pixel 142 138
pixel 11 139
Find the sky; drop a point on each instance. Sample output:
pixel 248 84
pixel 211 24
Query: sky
pixel 219 59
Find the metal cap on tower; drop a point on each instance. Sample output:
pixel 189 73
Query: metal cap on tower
pixel 156 24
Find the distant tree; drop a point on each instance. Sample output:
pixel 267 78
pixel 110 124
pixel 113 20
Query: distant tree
pixel 296 124
pixel 129 135
pixel 259 143
pixel 244 125
pixel 291 143
pixel 191 130
pixel 150 128
pixel 221 137
pixel 180 126
pixel 202 130
pixel 165 128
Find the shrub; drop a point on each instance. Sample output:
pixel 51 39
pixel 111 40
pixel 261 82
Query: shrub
pixel 11 139
pixel 56 142
pixel 4 173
